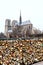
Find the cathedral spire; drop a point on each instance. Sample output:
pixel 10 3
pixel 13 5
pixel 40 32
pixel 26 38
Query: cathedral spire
pixel 20 19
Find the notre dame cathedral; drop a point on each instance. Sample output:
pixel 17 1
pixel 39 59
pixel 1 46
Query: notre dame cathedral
pixel 18 29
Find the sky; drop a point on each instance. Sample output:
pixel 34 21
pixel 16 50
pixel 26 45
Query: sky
pixel 30 10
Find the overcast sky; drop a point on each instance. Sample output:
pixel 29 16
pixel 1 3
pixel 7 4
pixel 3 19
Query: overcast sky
pixel 30 10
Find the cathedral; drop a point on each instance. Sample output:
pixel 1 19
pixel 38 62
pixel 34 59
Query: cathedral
pixel 18 29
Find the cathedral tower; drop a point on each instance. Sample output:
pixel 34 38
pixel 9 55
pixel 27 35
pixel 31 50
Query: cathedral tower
pixel 7 26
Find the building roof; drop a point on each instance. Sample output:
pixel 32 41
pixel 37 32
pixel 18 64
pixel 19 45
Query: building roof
pixel 26 22
pixel 23 23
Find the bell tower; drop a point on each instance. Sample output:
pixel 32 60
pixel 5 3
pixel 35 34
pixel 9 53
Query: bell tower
pixel 7 26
